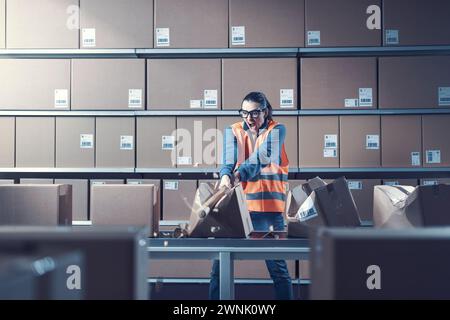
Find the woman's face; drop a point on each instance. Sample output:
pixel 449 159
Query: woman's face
pixel 254 123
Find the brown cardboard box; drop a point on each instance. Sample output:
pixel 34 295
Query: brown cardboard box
pixel 277 78
pixel 108 84
pixel 401 141
pixel 75 146
pixel 338 83
pixel 414 82
pixel 42 24
pixel 400 182
pixel 41 84
pixel 362 192
pixel 35 142
pixel 434 181
pixel 116 24
pixel 191 24
pixel 2 23
pixel 7 141
pixel 115 139
pixel 360 141
pixel 196 142
pixel 105 181
pixel 36 181
pixel 416 22
pixel 156 196
pixel 435 133
pixel 124 205
pixel 291 142
pixel 80 205
pixel 156 137
pixel 319 141
pixel 339 23
pixel 6 181
pixel 36 204
pixel 222 124
pixel 279 24
pixel 178 197
pixel 184 84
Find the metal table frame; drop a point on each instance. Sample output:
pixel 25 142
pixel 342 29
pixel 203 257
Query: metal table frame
pixel 227 251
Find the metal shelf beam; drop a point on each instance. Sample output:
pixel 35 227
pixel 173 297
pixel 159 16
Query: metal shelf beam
pixel 67 53
pixel 218 53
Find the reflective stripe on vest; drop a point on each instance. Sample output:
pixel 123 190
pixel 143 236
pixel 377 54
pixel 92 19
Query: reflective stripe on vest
pixel 267 191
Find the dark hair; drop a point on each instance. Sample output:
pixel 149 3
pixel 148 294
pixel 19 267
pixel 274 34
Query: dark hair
pixel 259 97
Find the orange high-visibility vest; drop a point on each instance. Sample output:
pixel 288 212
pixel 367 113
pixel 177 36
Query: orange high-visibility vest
pixel 267 191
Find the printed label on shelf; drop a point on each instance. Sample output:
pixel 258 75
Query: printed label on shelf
pixel 168 142
pixel 61 98
pixel 196 104
pixel 430 182
pixel 372 142
pixel 391 183
pixel 170 185
pixel 286 98
pixel 330 141
pixel 392 37
pixel 415 158
pixel 351 103
pixel 330 153
pixel 210 99
pixel 365 97
pixel 238 36
pixel 433 156
pixel 86 141
pixel 309 212
pixel 313 38
pixel 444 96
pixel 88 37
pixel 355 185
pixel 184 160
pixel 126 142
pixel 135 98
pixel 162 37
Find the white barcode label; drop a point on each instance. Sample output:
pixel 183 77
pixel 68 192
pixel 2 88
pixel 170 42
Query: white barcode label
pixel 391 183
pixel 430 182
pixel 196 104
pixel 168 142
pixel 444 96
pixel 307 211
pixel 185 161
pixel 98 183
pixel 170 185
pixel 313 38
pixel 238 36
pixel 86 141
pixel 126 142
pixel 365 97
pixel 372 142
pixel 88 37
pixel 162 37
pixel 330 141
pixel 286 98
pixel 135 98
pixel 355 185
pixel 433 156
pixel 392 37
pixel 61 98
pixel 330 153
pixel 351 103
pixel 415 158
pixel 210 99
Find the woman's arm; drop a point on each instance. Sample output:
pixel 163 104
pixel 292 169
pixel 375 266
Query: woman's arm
pixel 229 155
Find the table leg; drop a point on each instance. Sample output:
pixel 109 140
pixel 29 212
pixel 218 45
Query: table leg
pixel 226 276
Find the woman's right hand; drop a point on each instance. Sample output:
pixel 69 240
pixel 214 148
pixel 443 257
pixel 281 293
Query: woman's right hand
pixel 225 182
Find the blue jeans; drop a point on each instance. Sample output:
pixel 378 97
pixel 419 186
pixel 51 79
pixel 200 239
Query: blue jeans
pixel 277 268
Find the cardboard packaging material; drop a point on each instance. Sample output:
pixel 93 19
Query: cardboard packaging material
pixel 36 181
pixel 40 205
pixel 80 192
pixel 189 84
pixel 219 213
pixel 191 24
pixel 435 133
pixel 178 197
pixel 7 142
pixel 279 25
pixel 156 195
pixel 331 23
pixel 42 24
pixel 124 205
pixel 6 181
pixel 339 83
pixel 35 84
pixel 362 192
pixel 2 23
pixel 116 24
